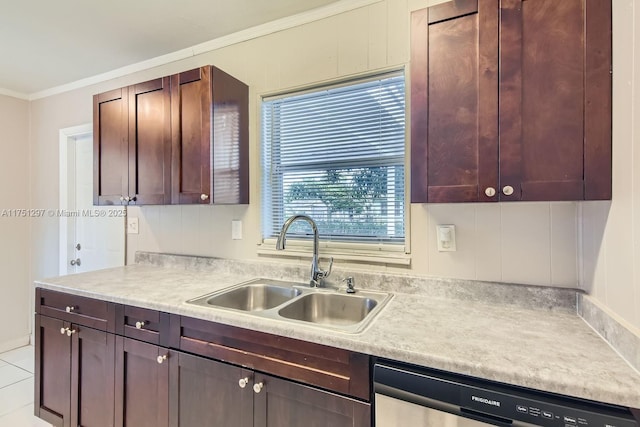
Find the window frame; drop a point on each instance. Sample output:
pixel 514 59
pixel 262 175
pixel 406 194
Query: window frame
pixel 381 252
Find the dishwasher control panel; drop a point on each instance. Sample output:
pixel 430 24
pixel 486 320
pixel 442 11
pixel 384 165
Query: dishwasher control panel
pixel 493 403
pixel 537 412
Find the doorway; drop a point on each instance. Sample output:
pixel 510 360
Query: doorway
pixel 91 237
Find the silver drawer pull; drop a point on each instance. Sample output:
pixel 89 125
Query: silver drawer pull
pixel 139 325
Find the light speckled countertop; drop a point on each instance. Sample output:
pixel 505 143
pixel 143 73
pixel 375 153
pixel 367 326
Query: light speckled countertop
pixel 544 349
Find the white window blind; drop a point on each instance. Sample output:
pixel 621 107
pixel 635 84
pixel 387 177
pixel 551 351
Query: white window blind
pixel 337 155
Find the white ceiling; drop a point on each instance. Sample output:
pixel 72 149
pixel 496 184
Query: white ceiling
pixel 49 43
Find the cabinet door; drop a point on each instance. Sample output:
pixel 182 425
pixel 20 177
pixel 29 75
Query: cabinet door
pixel 150 142
pixel 281 403
pixel 207 393
pixel 92 377
pixel 141 384
pixel 555 99
pixel 52 371
pixel 454 102
pixel 191 136
pixel 110 150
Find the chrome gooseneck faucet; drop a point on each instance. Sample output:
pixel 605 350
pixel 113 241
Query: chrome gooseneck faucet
pixel 316 273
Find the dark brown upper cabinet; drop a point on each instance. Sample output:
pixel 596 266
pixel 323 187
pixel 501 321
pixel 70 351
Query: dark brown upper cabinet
pixel 182 139
pixel 511 100
pixel 210 140
pixel 132 145
pixel 110 147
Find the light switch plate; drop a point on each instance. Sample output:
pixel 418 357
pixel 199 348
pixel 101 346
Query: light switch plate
pixel 446 237
pixel 132 226
pixel 236 230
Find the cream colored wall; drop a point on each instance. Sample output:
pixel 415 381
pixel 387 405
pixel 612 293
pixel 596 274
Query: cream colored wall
pixel 14 231
pixel 517 243
pixel 49 115
pixel 611 230
pixel 493 241
pixel 524 243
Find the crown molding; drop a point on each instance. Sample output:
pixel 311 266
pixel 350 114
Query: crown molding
pixel 114 74
pixel 14 94
pixel 228 40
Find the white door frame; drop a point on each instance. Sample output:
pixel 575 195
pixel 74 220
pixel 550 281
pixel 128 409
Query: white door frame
pixel 67 142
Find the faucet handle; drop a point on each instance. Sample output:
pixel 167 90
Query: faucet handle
pixel 317 275
pixel 326 273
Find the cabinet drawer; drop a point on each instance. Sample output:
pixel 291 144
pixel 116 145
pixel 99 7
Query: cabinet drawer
pixel 143 324
pixel 76 309
pixel 338 370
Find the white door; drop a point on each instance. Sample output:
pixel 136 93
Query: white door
pixel 96 234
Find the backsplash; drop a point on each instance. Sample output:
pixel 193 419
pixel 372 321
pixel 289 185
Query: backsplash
pixel 527 243
pixel 618 333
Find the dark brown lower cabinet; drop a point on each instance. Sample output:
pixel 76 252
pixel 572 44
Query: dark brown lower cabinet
pixel 74 374
pixel 52 372
pixel 142 384
pixel 86 377
pixel 205 392
pixel 281 403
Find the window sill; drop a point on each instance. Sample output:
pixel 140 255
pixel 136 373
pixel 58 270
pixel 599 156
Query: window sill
pixel 351 252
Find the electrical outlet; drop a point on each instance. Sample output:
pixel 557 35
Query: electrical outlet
pixel 446 235
pixel 132 226
pixel 236 230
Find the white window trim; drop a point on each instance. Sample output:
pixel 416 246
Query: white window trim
pixel 365 253
pixel 371 253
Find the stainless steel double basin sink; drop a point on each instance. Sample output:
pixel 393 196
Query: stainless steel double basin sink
pixel 298 303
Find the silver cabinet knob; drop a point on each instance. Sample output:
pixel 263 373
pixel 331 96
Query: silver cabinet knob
pixel 63 331
pixel 69 308
pixel 161 359
pixel 243 382
pixel 204 197
pixel 139 325
pixel 127 199
pixel 507 190
pixel 258 387
pixel 78 247
pixel 490 191
pixel 75 262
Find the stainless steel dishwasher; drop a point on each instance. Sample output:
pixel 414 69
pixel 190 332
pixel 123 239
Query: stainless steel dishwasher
pixel 408 395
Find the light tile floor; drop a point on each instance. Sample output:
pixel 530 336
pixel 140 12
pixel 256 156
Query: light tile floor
pixel 16 389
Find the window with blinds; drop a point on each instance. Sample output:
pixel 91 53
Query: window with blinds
pixel 337 155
